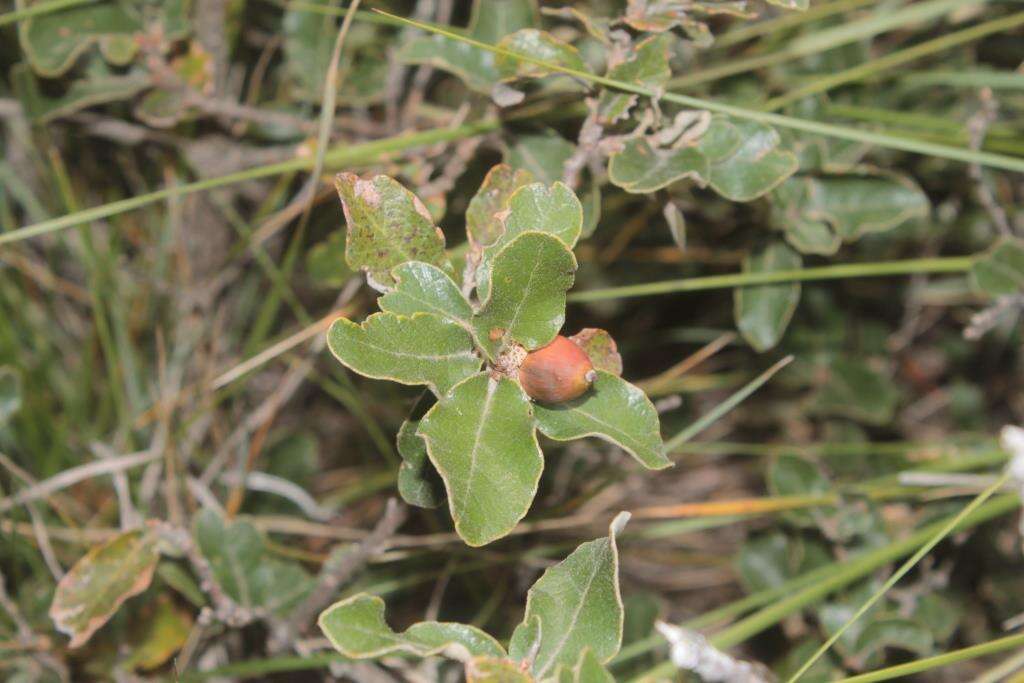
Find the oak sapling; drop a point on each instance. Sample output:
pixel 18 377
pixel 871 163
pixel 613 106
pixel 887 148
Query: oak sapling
pixel 486 346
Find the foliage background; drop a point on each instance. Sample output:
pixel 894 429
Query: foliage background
pixel 172 251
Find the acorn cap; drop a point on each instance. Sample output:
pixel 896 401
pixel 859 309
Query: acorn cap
pixel 558 372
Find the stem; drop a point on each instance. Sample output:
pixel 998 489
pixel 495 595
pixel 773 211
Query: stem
pixel 338 157
pixel 725 406
pixel 890 61
pixel 945 658
pixel 837 576
pixel 941 151
pixel 40 8
pixel 944 531
pixel 946 264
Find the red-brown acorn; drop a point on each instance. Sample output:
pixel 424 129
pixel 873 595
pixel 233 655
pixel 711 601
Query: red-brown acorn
pixel 558 372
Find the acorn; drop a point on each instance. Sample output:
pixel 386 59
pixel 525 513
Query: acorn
pixel 558 372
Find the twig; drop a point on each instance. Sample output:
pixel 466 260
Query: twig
pixel 225 608
pixel 339 569
pixel 976 127
pixel 75 475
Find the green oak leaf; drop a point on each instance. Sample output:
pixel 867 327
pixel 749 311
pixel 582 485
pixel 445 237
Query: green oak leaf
pixel 820 213
pixel 480 438
pixel 763 312
pixel 578 605
pixel 489 23
pixel 551 209
pixel 647 66
pixel 418 481
pixel 538 45
pixel 589 669
pixel 100 582
pixel 1000 270
pixel 307 43
pixel 97 85
pixel 484 223
pixel 754 163
pixel 858 391
pixel 419 349
pixel 613 410
pixel 423 288
pixel 237 555
pixel 52 41
pixel 387 226
pixel 640 168
pixel 528 280
pixel 542 154
pixel 356 628
pixel 325 261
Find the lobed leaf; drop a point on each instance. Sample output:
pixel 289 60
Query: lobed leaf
pixel 356 627
pixel 641 168
pixel 529 278
pixel 387 226
pixel 600 348
pixel 1000 270
pixel 480 438
pixel 820 213
pixel 420 349
pixel 647 66
pixel 237 557
pixel 100 582
pixel 754 162
pixel 613 410
pixel 489 23
pixel 484 223
pixel 423 288
pixel 542 154
pixel 538 45
pixel 578 606
pixel 418 481
pixel 763 312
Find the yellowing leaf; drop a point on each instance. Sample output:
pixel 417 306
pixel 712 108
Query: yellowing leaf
pixel 356 627
pixel 99 583
pixel 484 220
pixel 387 225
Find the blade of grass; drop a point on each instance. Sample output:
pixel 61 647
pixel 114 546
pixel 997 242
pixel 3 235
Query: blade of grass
pixel 890 61
pixel 40 8
pixel 814 127
pixel 968 78
pixel 786 21
pixel 725 406
pixel 833 577
pixel 902 571
pixel 339 156
pixel 947 264
pixel 929 663
pixel 827 39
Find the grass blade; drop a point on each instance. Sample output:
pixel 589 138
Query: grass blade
pixel 944 531
pixel 805 125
